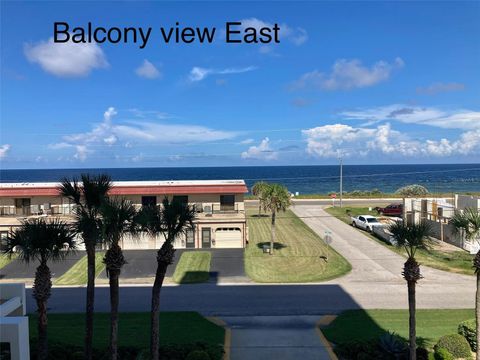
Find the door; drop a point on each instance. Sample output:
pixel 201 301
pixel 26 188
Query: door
pixel 206 237
pixel 362 222
pixel 228 238
pixel 190 238
pixel 22 206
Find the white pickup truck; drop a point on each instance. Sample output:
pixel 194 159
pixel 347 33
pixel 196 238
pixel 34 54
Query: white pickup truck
pixel 365 222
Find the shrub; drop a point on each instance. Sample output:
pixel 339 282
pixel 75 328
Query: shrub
pixel 468 330
pixel 392 344
pixel 443 354
pixel 412 190
pixel 198 355
pixel 422 354
pixel 455 344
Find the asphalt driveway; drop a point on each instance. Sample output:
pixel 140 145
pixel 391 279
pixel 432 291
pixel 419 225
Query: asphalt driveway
pixel 225 263
pixel 20 270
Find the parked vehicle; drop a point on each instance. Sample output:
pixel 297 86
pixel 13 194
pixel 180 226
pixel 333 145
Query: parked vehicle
pixel 365 222
pixel 391 210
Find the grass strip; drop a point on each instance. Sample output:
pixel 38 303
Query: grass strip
pixel 77 274
pixel 193 267
pixel 300 255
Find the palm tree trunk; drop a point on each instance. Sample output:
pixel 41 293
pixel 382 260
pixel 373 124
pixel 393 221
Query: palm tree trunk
pixel 164 258
pixel 41 292
pixel 412 320
pixel 114 261
pixel 114 296
pixel 272 239
pixel 411 273
pixel 90 300
pixel 476 265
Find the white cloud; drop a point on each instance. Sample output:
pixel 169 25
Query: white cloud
pixel 108 133
pixel 199 73
pixel 330 141
pixel 147 70
pixel 246 141
pixel 437 88
pixel 347 75
pixel 66 59
pixel 4 149
pixel 447 119
pixel 297 35
pixel 261 152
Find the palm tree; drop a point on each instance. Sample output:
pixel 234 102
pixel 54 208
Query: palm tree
pixel 172 219
pixel 118 217
pixel 467 223
pixel 44 241
pixel 275 198
pixel 88 196
pixel 258 190
pixel 411 238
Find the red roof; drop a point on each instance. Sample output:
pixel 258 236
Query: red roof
pixel 135 190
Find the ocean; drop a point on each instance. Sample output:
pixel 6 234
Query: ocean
pixel 438 178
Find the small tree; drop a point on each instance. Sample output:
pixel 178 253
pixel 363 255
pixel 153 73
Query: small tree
pixel 275 198
pixel 118 217
pixel 467 223
pixel 412 190
pixel 411 238
pixel 258 190
pixel 43 241
pixel 171 220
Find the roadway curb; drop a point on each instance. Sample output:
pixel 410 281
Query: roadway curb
pixel 324 321
pixel 228 335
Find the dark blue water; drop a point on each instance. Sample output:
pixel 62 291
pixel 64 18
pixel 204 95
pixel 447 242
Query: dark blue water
pixel 304 179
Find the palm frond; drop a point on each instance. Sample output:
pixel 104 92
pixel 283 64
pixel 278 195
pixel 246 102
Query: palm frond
pixel 118 217
pixel 71 190
pixel 411 236
pixel 276 198
pixel 41 240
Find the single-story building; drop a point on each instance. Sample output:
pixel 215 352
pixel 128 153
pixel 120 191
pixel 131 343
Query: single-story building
pixel 220 220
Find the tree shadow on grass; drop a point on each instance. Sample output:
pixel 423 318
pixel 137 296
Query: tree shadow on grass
pixel 276 245
pixel 194 277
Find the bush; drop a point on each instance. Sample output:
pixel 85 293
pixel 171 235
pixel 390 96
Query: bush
pixel 468 330
pixel 443 354
pixel 198 355
pixel 456 345
pixel 412 190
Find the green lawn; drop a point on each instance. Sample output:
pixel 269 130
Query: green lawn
pixel 5 260
pixel 299 254
pixel 454 261
pixel 134 329
pixel 77 274
pixel 193 267
pixel 369 324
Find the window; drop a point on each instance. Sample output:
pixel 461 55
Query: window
pixel 149 201
pixel 183 199
pixel 227 202
pixel 3 240
pixel 190 237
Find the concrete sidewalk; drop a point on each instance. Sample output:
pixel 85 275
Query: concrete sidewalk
pixel 275 337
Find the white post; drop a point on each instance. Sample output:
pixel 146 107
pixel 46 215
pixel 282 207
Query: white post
pixel 341 181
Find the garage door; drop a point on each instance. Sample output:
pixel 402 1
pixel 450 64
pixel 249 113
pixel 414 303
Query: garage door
pixel 228 238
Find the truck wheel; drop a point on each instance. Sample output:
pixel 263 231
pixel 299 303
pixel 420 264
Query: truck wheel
pixel 353 224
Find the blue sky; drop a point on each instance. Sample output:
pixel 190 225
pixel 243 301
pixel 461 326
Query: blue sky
pixel 377 82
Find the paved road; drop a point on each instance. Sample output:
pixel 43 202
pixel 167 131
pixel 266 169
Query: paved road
pixel 275 337
pixel 366 202
pixel 376 267
pixel 374 282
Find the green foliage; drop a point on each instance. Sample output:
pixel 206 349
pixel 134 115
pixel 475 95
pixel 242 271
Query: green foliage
pixel 37 239
pixel 468 330
pixel 443 354
pixel 412 190
pixel 456 345
pixel 275 198
pixel 411 236
pixel 362 193
pixel 392 344
pixel 198 355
